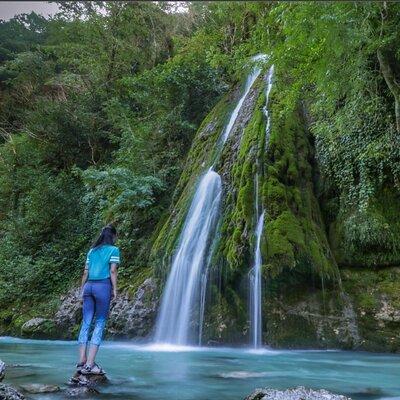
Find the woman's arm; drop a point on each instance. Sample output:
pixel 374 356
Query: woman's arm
pixel 114 268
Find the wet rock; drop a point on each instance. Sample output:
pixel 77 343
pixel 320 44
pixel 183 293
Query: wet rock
pixel 34 388
pixel 134 317
pixel 81 391
pixel 299 393
pixel 79 379
pixel 38 328
pixel 9 393
pixel 311 322
pixel 83 385
pixel 2 370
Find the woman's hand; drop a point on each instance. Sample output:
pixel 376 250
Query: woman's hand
pixel 114 294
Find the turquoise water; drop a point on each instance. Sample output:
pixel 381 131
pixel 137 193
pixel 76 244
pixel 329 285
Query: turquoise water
pixel 145 372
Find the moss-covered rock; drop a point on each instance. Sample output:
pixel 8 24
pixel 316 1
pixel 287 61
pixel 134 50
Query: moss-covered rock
pixel 39 328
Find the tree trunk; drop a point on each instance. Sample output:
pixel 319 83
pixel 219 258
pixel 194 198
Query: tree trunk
pixel 390 80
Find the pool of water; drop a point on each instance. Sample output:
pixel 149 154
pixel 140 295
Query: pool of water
pixel 153 372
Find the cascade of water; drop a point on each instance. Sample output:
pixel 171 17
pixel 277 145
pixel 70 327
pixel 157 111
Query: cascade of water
pixel 182 287
pixel 249 83
pixel 202 303
pixel 255 288
pixel 269 78
pixel 184 293
pixel 255 273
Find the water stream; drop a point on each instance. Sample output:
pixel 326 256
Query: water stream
pixel 140 372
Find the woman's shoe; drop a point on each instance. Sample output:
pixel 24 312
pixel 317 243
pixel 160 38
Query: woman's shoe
pixel 79 367
pixel 94 369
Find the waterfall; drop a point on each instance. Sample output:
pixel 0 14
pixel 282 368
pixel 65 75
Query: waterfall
pixel 255 71
pixel 183 298
pixel 255 278
pixel 255 288
pixel 183 285
pixel 265 108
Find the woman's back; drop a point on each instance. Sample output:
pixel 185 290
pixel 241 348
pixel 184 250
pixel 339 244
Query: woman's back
pixel 99 259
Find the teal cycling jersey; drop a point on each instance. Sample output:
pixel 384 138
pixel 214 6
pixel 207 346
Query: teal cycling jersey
pixel 98 261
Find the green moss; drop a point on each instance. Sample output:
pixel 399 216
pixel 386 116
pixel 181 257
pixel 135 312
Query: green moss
pixel 239 213
pixel 136 277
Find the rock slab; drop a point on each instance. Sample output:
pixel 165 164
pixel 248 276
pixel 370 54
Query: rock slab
pixel 298 393
pixel 134 317
pixel 35 388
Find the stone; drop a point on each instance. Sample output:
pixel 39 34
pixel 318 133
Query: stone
pixel 35 388
pixel 134 317
pixel 298 393
pixel 2 370
pixel 9 393
pixel 39 328
pixel 81 391
pixel 79 379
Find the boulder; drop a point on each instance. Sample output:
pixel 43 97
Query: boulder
pixel 38 328
pixel 2 370
pixel 298 393
pixel 79 379
pixel 35 388
pixel 9 393
pixel 134 317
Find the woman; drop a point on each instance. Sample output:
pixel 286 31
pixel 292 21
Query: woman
pixel 99 285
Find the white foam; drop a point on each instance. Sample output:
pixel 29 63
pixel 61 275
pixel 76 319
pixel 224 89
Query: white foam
pixel 242 375
pixel 262 350
pixel 172 348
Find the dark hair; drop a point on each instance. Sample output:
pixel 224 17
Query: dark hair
pixel 107 236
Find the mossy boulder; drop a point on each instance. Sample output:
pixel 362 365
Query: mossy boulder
pixel 39 328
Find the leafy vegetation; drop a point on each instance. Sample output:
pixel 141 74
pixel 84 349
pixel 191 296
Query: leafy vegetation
pixel 100 106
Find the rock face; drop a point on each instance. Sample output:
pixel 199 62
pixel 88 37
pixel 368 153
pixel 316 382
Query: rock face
pixel 299 393
pixel 134 317
pixel 130 316
pixel 69 314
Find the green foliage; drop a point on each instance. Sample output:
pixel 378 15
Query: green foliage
pixel 98 110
